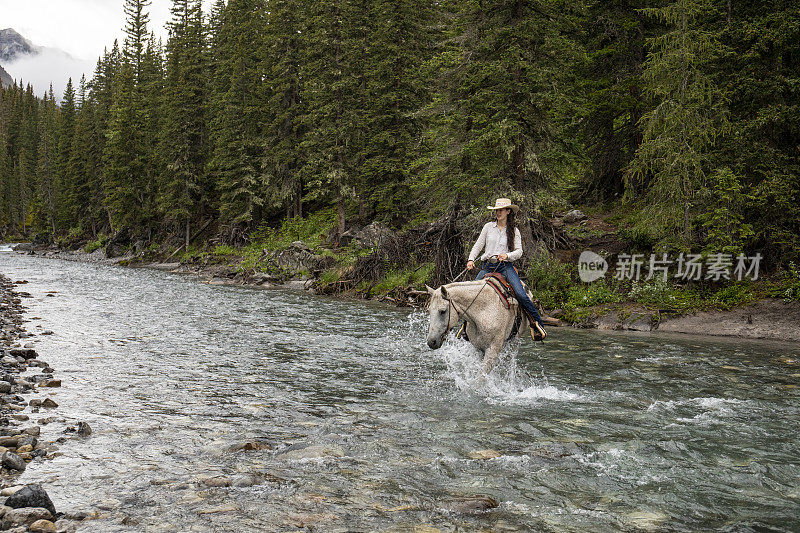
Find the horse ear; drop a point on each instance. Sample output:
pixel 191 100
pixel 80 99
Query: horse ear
pixel 444 293
pixel 430 291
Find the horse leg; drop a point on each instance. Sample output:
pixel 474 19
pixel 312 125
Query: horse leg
pixel 490 356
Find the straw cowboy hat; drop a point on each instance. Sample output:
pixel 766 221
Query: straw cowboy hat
pixel 502 203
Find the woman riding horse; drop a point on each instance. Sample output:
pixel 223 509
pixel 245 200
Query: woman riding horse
pixel 503 244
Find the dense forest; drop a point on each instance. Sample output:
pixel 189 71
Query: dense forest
pixel 683 115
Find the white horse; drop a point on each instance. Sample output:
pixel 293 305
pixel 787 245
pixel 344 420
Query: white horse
pixel 489 323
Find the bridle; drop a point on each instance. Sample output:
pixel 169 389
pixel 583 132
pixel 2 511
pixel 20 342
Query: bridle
pixel 459 314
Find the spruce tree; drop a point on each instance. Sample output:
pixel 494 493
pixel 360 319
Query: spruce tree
pixel 46 164
pixel 672 160
pixel 237 124
pixel 64 176
pixel 183 145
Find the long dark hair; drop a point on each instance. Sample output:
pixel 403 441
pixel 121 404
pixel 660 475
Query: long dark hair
pixel 511 229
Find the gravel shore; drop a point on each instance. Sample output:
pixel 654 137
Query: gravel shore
pixel 25 385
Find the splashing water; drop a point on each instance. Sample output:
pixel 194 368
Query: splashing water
pixel 506 384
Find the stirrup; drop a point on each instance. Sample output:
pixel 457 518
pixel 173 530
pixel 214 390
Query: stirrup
pixel 537 332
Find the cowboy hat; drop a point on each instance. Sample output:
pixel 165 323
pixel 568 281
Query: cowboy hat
pixel 502 203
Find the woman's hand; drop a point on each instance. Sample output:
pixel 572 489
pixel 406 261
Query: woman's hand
pixel 470 264
pixel 502 257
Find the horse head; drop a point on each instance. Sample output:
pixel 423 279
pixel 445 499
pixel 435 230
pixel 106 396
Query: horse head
pixel 439 316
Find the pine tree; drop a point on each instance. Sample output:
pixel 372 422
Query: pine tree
pixel 124 164
pixel 136 34
pixel 334 93
pixel 671 162
pixel 503 78
pixel 64 177
pixel 184 145
pixel 611 78
pixel 237 124
pixel 46 164
pixel 84 165
pixel 398 43
pixel 285 104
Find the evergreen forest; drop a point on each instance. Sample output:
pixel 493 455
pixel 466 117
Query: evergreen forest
pixel 682 118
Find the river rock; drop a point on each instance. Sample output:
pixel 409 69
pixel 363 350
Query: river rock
pixel 31 496
pixel 33 431
pixel 25 448
pixel 25 353
pixel 484 454
pixel 9 441
pixel 27 515
pixel 50 383
pixel 245 480
pixel 35 402
pixel 8 491
pixel 49 403
pixel 42 526
pixel 250 445
pixel 65 526
pixel 9 360
pixel 84 430
pixel 12 461
pixel 5 387
pixel 477 504
pixel 217 481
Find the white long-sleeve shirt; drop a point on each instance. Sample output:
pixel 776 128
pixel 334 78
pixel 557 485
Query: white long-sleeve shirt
pixel 494 239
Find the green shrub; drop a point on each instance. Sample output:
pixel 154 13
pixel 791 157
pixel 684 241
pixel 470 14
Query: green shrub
pixel 733 295
pixel 224 249
pixel 545 272
pixel 652 292
pixel 789 288
pixel 587 295
pixel 311 230
pixel 91 246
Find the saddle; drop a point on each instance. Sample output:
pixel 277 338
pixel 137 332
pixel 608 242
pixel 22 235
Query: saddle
pixel 506 293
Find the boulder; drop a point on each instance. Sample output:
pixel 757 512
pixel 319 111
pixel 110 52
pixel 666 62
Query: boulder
pixel 26 515
pixel 12 461
pixel 372 235
pixel 25 353
pixel 83 429
pixel 42 526
pixel 31 496
pixel 573 216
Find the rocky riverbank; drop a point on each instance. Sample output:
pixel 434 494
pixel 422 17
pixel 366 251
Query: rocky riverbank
pixel 25 383
pixel 770 318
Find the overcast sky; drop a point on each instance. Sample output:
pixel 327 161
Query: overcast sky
pixel 82 28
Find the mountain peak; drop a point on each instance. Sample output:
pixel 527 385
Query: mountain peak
pixel 13 45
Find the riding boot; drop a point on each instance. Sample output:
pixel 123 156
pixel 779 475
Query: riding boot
pixel 537 331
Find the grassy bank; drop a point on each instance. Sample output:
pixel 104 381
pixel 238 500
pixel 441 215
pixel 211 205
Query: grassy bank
pixel 395 268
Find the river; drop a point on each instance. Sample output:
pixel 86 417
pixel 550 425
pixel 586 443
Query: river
pixel 371 431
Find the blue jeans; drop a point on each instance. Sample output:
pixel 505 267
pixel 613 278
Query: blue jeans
pixel 512 276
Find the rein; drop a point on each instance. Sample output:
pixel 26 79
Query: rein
pixel 452 304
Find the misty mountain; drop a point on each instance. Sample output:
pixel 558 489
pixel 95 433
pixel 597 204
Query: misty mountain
pixel 13 45
pixel 39 66
pixel 5 78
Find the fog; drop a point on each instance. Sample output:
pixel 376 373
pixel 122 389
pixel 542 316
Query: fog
pixel 50 65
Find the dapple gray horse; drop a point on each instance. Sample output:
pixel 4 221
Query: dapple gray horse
pixel 489 323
